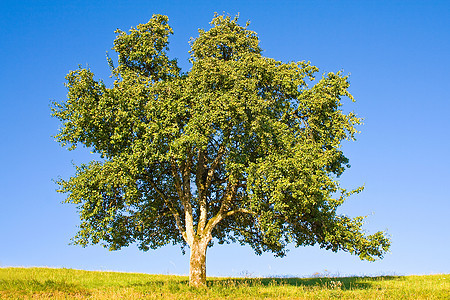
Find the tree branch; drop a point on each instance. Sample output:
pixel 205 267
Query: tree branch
pixel 173 210
pixel 177 180
pixel 181 190
pixel 217 218
pixel 227 198
pixel 238 210
pixel 203 187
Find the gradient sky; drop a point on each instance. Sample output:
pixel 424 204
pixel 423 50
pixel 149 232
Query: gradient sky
pixel 397 53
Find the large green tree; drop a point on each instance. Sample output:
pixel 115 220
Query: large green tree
pixel 238 149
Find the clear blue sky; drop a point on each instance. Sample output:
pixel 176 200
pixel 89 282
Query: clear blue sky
pixel 396 51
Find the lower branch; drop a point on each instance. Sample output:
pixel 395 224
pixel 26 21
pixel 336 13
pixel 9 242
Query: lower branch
pixel 239 210
pixel 183 188
pixel 174 212
pixel 219 217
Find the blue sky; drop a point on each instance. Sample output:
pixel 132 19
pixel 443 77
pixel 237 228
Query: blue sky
pixel 397 53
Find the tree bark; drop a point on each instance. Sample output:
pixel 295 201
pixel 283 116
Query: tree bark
pixel 197 264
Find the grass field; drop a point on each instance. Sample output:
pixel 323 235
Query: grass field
pixel 47 283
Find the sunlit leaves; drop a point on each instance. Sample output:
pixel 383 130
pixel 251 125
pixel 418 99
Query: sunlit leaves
pixel 240 139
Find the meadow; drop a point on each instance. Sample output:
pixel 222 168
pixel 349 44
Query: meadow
pixel 48 283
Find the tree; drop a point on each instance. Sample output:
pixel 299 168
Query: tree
pixel 238 149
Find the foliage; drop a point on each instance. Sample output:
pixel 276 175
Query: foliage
pixel 238 149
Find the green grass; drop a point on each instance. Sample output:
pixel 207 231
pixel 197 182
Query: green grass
pixel 47 283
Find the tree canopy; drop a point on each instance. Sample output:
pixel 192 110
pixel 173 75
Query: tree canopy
pixel 241 148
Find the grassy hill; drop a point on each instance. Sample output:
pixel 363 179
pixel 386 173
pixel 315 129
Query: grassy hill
pixel 47 283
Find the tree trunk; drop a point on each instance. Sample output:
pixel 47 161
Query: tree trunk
pixel 197 265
